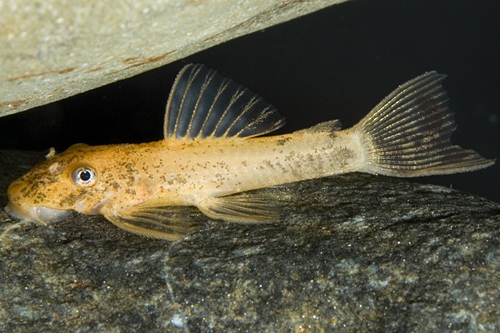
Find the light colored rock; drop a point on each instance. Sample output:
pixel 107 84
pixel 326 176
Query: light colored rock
pixel 53 49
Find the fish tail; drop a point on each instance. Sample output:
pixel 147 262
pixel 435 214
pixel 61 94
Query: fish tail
pixel 408 133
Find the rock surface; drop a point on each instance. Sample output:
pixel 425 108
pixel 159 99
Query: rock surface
pixel 350 253
pixel 53 49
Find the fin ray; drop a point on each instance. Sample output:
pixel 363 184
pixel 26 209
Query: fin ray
pixel 170 223
pixel 408 133
pixel 204 104
pixel 241 208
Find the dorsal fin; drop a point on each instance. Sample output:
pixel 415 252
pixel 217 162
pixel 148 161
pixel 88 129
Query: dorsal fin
pixel 204 104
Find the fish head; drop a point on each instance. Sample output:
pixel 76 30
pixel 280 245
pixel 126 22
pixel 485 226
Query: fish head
pixel 61 184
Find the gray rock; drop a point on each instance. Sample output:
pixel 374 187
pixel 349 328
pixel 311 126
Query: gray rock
pixel 53 49
pixel 350 253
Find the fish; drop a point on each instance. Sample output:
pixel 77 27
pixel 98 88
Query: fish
pixel 216 149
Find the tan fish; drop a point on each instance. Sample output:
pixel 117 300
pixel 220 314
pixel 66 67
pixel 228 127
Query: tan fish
pixel 212 152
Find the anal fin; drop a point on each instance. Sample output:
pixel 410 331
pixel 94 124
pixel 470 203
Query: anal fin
pixel 241 208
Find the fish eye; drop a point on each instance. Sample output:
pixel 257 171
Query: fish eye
pixel 84 176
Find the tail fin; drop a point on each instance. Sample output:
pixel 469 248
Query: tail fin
pixel 408 133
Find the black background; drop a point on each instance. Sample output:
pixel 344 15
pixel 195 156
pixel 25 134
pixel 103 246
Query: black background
pixel 334 64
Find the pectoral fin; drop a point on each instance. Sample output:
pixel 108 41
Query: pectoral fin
pixel 174 222
pixel 170 223
pixel 242 208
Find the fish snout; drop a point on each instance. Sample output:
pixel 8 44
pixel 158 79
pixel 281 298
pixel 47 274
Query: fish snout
pixel 20 194
pixel 36 214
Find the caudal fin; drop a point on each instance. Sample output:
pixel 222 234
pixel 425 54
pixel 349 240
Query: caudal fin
pixel 408 133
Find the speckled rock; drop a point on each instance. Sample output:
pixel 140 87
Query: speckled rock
pixel 350 253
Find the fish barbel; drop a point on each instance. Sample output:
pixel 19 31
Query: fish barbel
pixel 213 151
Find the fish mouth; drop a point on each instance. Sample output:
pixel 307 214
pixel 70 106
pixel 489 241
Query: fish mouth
pixel 38 214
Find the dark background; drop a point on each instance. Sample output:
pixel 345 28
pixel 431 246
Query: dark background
pixel 334 64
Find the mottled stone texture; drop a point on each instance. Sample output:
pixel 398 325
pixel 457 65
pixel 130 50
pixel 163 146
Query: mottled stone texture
pixel 350 253
pixel 53 49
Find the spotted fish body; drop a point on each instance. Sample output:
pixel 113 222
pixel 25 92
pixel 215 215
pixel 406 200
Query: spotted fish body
pixel 212 153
